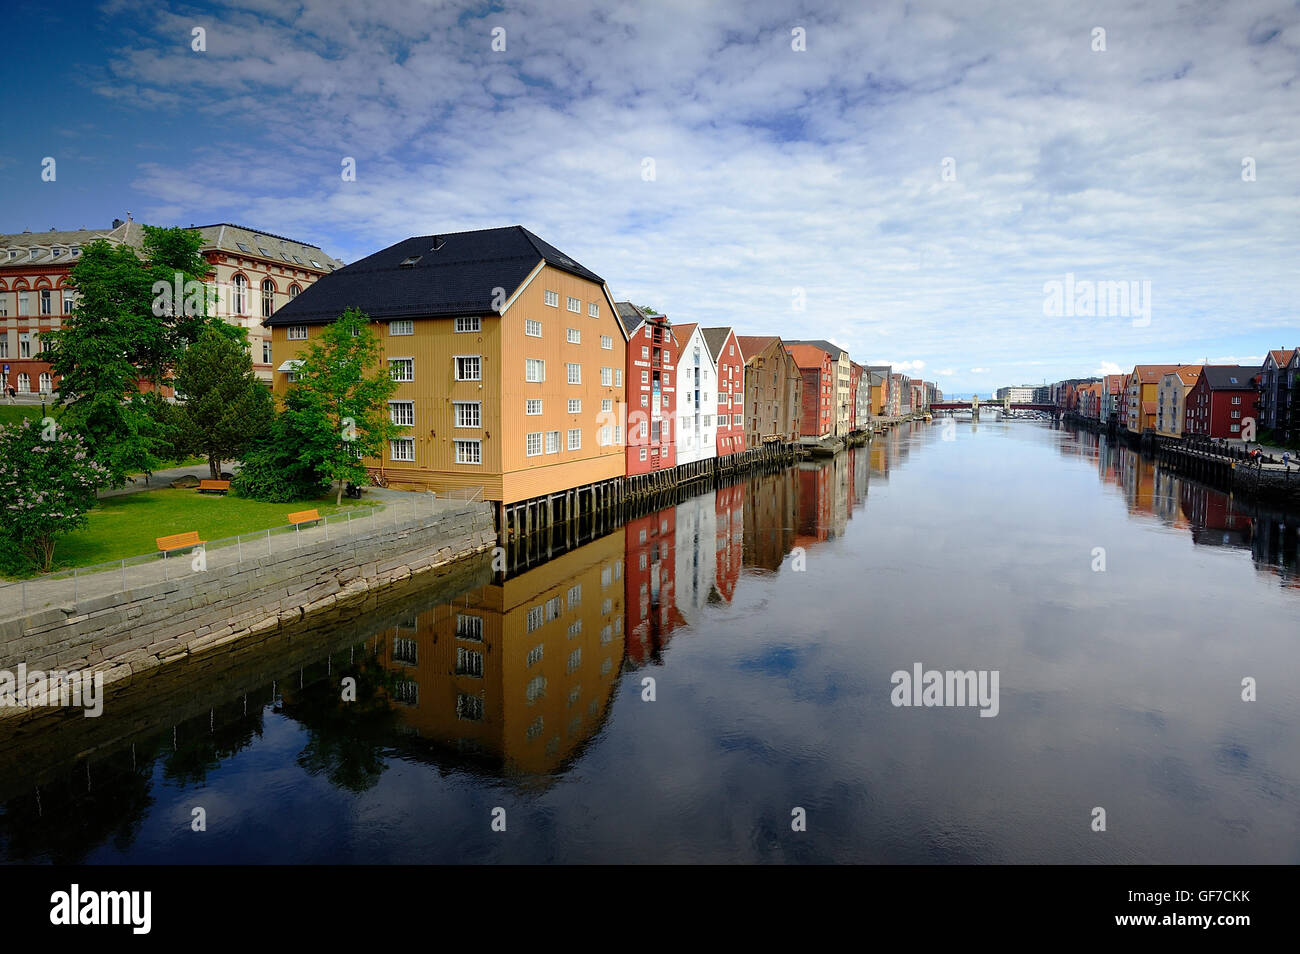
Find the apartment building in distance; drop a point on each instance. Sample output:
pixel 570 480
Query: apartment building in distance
pixel 730 363
pixel 773 391
pixel 509 355
pixel 651 389
pixel 697 397
pixel 842 404
pixel 1224 396
pixel 253 274
pixel 1275 395
pixel 817 412
pixel 1171 400
pixel 1139 405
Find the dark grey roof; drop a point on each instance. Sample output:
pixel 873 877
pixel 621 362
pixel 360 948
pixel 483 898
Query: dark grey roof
pixel 1220 377
pixel 715 338
pixel 826 346
pixel 450 274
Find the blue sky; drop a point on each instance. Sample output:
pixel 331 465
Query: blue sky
pixel 780 175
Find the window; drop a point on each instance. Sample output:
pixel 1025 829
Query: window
pixel 467 367
pixel 533 407
pixel 469 708
pixel 643 455
pixel 618 433
pixel 46 382
pixel 403 449
pixel 405 651
pixel 532 329
pixel 574 372
pixel 467 414
pixel 297 333
pixel 407 692
pixel 708 420
pixel 266 352
pixel 293 291
pixel 606 376
pixel 606 342
pixel 25 345
pixel 406 327
pixel 645 377
pixel 607 405
pixel 645 400
pixel 722 399
pixel 536 690
pixel 574 304
pixel 575 405
pixel 618 377
pixel 534 370
pixel 535 618
pixel 24 303
pixel 468 662
pixel 573 336
pixel 402 413
pixel 1236 400
pixel 644 429
pixel 401 369
pixel 47 301
pixel 534 655
pixel 4 345
pixel 593 310
pixel 468 324
pixel 241 295
pixel 575 438
pixel 1234 428
pixel 469 452
pixel 553 299
pixel 605 437
pixel 268 298
pixel 469 627
pixel 533 444
pixel 575 660
pixel 732 351
pixel 553 608
pixel 575 595
pixel 552 442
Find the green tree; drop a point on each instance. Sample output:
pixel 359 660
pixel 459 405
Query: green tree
pixel 48 482
pixel 178 299
pixel 226 410
pixel 95 356
pixel 338 409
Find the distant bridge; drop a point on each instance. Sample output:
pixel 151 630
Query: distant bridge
pixel 974 405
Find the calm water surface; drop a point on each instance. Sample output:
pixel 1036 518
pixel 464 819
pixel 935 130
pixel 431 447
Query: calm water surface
pixel 1119 689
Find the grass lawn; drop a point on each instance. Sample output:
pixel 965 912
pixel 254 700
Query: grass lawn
pixel 13 413
pixel 128 526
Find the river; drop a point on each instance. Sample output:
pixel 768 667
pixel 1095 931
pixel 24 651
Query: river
pixel 714 682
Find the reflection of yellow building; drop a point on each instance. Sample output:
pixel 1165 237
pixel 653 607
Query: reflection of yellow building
pixel 523 670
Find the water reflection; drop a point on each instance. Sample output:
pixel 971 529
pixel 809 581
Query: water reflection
pixel 509 684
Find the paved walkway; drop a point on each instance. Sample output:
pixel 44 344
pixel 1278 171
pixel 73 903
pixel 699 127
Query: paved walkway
pixel 393 508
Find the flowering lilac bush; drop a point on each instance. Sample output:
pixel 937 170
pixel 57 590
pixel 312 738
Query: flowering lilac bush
pixel 47 483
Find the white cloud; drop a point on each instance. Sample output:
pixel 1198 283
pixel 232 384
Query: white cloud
pixel 1109 367
pixel 945 372
pixel 774 169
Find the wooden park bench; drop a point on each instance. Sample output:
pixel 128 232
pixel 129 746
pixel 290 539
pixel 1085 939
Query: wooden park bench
pixel 215 486
pixel 179 541
pixel 304 516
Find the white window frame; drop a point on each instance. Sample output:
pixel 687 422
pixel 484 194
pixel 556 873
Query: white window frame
pixel 403 364
pixel 400 327
pixel 573 372
pixel 606 377
pixel 532 328
pixel 406 442
pixel 552 298
pixel 296 333
pixel 534 364
pixel 528 444
pixel 469 325
pixel 618 377
pixel 574 305
pixel 457 359
pixel 459 406
pixel 607 342
pixel 607 405
pixel 393 413
pixel 463 454
pixel 575 405
pixel 575 438
pixel 573 336
pixel 552 442
pixel 593 310
pixel 529 405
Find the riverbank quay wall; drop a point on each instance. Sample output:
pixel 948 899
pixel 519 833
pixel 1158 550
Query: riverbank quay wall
pixel 164 621
pixel 1267 481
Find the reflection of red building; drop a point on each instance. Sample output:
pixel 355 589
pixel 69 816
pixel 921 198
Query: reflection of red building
pixel 729 505
pixel 814 514
pixel 651 598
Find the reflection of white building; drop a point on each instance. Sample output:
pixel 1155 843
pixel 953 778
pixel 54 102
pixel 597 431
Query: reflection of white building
pixel 697 396
pixel 696 551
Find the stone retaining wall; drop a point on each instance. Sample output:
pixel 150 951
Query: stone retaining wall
pixel 157 623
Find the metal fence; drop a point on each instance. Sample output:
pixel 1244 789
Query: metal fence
pixel 67 588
